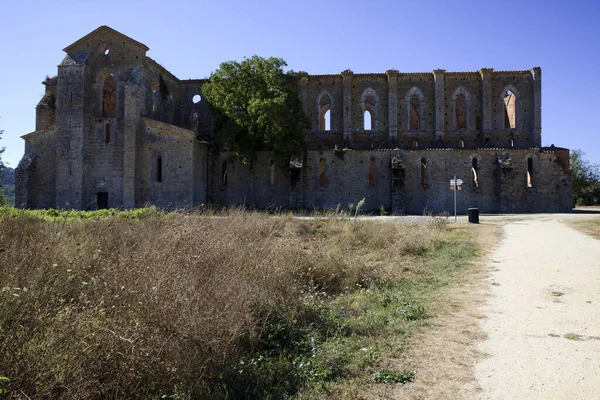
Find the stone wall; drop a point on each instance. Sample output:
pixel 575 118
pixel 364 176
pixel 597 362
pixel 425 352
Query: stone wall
pixel 351 175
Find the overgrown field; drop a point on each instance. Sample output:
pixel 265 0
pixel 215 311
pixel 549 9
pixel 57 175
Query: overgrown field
pixel 229 305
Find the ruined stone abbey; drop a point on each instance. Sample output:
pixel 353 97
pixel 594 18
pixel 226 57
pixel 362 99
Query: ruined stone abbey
pixel 116 129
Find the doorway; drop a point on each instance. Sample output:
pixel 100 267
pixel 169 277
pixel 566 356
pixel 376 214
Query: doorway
pixel 102 200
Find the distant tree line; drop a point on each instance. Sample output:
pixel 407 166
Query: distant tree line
pixel 7 186
pixel 586 180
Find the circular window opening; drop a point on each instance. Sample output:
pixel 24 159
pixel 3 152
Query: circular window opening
pixel 196 99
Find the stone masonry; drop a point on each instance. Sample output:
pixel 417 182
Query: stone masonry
pixel 116 129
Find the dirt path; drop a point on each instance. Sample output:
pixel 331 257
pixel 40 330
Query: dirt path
pixel 543 315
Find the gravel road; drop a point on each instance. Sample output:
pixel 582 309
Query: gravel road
pixel 543 315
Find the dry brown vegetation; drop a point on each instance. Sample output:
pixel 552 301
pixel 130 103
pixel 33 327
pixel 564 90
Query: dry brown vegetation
pixel 589 226
pixel 230 305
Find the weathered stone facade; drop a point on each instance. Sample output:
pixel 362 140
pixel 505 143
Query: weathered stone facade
pixel 116 129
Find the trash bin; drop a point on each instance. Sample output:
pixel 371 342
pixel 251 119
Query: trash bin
pixel 473 215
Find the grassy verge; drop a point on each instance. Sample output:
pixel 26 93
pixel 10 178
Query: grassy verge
pixel 190 306
pixel 588 226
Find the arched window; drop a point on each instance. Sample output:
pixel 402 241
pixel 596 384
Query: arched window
pixel 109 96
pixel 414 144
pixel 321 172
pixel 325 112
pixel 415 112
pixel 369 103
pixel 461 143
pixel 372 172
pixel 195 120
pixel 159 170
pixel 460 111
pixel 271 172
pixel 327 120
pixel 474 171
pixel 107 133
pixel 368 121
pixel 530 172
pixel 414 102
pixel 510 110
pixel 224 173
pixel 423 172
pixel 512 142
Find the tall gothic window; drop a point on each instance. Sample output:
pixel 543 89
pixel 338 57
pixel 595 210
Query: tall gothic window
pixel 109 96
pixel 460 111
pixel 474 173
pixel 415 112
pixel 325 112
pixel 510 110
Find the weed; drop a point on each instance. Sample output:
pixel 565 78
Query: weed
pixel 557 294
pixel 572 336
pixel 391 376
pixel 4 384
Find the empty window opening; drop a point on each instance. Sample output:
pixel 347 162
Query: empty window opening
pixel 102 200
pixel 271 172
pixel 474 176
pixel 460 111
pixel 461 143
pixel 159 171
pixel 423 172
pixel 487 141
pixel 109 96
pixel 372 173
pixel 327 121
pixel 530 172
pixel 195 122
pixel 369 111
pixel 106 52
pixel 512 142
pixel 196 99
pixel 325 112
pixel 510 110
pixel 321 172
pixel 415 112
pixel 224 173
pixel 414 144
pixel 154 86
pixel 107 133
pixel 368 123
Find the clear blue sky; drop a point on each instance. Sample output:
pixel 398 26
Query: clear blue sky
pixel 191 38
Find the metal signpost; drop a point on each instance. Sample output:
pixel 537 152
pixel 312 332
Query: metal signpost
pixel 455 186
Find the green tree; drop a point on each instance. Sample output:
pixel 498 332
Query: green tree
pixel 257 108
pixel 586 180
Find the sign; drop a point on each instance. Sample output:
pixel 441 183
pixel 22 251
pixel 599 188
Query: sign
pixel 457 187
pixel 458 182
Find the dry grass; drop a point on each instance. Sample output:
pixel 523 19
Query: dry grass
pixel 589 226
pixel 180 306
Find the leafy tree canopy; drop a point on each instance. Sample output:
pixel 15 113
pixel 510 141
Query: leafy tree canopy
pixel 586 180
pixel 257 108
